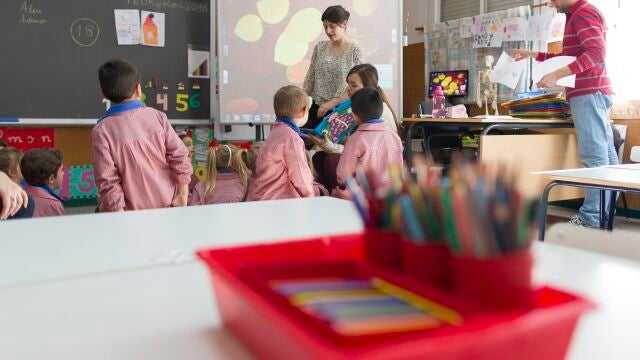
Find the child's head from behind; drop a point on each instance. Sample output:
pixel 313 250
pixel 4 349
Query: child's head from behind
pixel 366 104
pixel 119 81
pixel 292 102
pixel 42 167
pixel 251 156
pixel 188 143
pixel 3 144
pixel 224 157
pixel 10 163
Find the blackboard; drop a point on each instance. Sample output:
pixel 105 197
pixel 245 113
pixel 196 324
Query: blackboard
pixel 51 51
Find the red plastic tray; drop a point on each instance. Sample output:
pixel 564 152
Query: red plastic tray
pixel 272 329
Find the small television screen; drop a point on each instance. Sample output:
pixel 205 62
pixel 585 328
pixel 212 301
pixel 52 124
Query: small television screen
pixel 454 83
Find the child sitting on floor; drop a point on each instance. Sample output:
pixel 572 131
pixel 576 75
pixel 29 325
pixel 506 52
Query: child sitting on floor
pixel 42 171
pixel 373 146
pixel 227 177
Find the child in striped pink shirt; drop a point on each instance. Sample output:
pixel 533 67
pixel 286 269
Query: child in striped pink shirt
pixel 373 146
pixel 282 170
pixel 227 177
pixel 138 159
pixel 42 171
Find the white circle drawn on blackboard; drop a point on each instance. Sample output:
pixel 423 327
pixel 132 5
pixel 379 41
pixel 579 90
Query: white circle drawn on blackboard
pixel 85 32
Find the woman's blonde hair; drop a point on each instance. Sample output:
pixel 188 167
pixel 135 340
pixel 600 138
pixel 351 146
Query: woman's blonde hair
pixel 224 157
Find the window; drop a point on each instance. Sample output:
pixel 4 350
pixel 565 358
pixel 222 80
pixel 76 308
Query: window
pixel 457 9
pixel 497 5
pixel 621 18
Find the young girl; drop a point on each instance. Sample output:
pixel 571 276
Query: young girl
pixel 326 160
pixel 227 177
pixel 10 163
pixel 188 143
pixel 250 158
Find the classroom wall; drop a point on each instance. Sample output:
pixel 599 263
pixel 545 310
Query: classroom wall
pixel 421 12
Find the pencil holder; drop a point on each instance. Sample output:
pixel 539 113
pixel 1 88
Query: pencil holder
pixel 499 282
pixel 382 248
pixel 428 263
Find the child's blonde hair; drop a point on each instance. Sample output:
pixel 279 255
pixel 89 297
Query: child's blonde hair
pixel 227 157
pixel 289 101
pixel 250 156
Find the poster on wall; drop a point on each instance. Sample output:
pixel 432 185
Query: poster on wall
pixel 27 139
pixel 515 29
pixel 487 32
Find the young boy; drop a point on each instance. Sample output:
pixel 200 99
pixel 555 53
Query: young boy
pixel 42 170
pixel 10 163
pixel 139 161
pixel 282 170
pixel 373 146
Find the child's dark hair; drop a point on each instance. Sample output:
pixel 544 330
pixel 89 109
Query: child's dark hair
pixel 335 14
pixel 366 103
pixel 9 159
pixel 39 164
pixel 3 144
pixel 118 80
pixel 369 76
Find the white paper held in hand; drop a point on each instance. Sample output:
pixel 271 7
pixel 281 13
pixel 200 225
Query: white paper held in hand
pixel 551 65
pixel 508 71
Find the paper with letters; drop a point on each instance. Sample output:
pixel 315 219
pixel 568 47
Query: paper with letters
pixel 551 65
pixel 127 26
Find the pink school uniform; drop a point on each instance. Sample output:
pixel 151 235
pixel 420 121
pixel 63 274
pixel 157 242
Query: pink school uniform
pixel 372 146
pixel 229 189
pixel 138 160
pixel 45 204
pixel 250 186
pixel 282 169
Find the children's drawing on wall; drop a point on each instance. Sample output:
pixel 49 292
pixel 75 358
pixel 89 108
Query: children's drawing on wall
pixel 438 59
pixel 153 29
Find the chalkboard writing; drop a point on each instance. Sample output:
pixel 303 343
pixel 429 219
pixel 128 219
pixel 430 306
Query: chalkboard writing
pixel 51 52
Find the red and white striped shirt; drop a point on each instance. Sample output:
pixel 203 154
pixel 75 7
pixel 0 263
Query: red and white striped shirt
pixel 585 38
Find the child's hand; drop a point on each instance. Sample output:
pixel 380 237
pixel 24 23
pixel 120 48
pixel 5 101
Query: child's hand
pixel 181 196
pixel 318 141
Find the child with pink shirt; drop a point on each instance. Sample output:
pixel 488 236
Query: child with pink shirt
pixel 139 161
pixel 42 171
pixel 373 145
pixel 282 170
pixel 227 177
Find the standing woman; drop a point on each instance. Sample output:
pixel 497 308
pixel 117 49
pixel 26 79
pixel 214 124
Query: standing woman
pixel 330 63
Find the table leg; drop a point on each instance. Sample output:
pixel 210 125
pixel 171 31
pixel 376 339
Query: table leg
pixel 603 204
pixel 542 210
pixel 612 209
pixel 407 142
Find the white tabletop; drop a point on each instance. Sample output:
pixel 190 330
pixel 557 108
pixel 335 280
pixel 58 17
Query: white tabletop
pixel 43 249
pixel 619 175
pixel 169 312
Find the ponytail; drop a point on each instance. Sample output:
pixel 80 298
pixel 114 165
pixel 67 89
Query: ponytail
pixel 212 169
pixel 240 166
pixel 386 101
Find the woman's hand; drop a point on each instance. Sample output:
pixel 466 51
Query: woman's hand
pixel 325 108
pixel 12 195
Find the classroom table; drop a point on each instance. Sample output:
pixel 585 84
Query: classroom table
pixel 429 127
pixel 614 179
pixel 169 312
pixel 42 249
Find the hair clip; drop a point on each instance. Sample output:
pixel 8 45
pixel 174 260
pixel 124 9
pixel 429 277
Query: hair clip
pixel 244 145
pixel 213 144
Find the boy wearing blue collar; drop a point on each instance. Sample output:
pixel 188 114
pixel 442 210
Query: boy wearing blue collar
pixel 373 146
pixel 42 170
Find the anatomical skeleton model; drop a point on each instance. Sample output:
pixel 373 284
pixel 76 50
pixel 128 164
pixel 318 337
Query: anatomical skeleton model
pixel 486 89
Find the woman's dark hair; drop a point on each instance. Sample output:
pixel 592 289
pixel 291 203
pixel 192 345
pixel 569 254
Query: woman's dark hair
pixel 335 14
pixel 369 76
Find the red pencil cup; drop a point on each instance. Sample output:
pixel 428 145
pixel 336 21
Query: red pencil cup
pixel 383 248
pixel 428 263
pixel 499 282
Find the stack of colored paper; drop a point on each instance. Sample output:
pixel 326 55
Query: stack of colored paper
pixel 354 307
pixel 552 106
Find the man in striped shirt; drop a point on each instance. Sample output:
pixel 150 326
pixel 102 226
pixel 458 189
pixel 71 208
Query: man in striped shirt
pixel 591 99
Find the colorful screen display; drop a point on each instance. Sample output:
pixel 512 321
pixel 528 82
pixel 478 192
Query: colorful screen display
pixel 453 83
